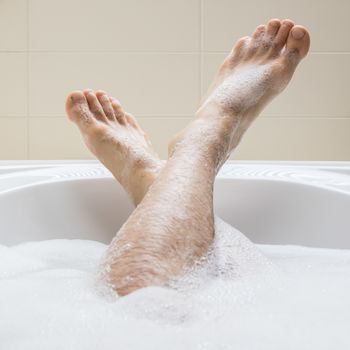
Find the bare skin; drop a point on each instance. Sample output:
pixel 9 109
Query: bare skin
pixel 158 243
pixel 257 69
pixel 116 139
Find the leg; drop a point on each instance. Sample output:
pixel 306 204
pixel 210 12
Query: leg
pixel 157 242
pixel 165 242
pixel 226 114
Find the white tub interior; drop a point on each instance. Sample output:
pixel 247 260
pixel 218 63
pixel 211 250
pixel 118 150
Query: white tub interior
pixel 273 204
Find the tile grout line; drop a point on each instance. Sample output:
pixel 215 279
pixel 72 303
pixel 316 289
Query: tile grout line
pixel 219 52
pixel 27 78
pixel 174 116
pixel 159 52
pixel 201 49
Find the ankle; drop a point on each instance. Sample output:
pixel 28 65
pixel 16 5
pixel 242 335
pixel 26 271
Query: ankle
pixel 212 109
pixel 138 182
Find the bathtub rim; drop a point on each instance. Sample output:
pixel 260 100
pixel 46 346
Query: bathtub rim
pixel 19 168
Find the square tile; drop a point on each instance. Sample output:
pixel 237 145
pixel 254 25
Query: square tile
pixel 147 25
pixel 161 130
pixel 13 84
pixel 321 139
pixel 13 25
pixel 146 84
pixel 55 138
pixel 13 138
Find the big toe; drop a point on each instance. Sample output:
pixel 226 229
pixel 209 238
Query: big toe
pixel 77 109
pixel 298 42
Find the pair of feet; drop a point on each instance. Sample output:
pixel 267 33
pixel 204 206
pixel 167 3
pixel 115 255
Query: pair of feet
pixel 257 69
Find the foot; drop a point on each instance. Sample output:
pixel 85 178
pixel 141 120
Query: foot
pixel 116 139
pixel 257 69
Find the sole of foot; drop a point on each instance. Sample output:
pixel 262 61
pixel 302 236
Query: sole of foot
pixel 112 135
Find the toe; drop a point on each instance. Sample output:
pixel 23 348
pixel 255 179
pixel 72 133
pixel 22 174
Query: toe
pixel 256 41
pixel 94 105
pixel 132 121
pixel 269 35
pixel 239 48
pixel 281 36
pixel 106 104
pixel 118 111
pixel 298 42
pixel 77 109
pixel 259 32
pixel 272 28
pixel 74 99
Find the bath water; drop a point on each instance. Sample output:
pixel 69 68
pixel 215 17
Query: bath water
pixel 242 296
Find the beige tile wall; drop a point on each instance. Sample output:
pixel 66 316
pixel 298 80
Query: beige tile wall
pixel 157 57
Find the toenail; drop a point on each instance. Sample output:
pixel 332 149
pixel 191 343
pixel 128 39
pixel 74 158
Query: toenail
pixel 288 22
pixel 298 33
pixel 275 22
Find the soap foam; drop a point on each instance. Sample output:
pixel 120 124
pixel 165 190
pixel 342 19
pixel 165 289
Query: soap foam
pixel 241 296
pixel 242 90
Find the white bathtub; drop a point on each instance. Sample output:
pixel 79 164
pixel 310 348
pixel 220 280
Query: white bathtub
pixel 276 203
